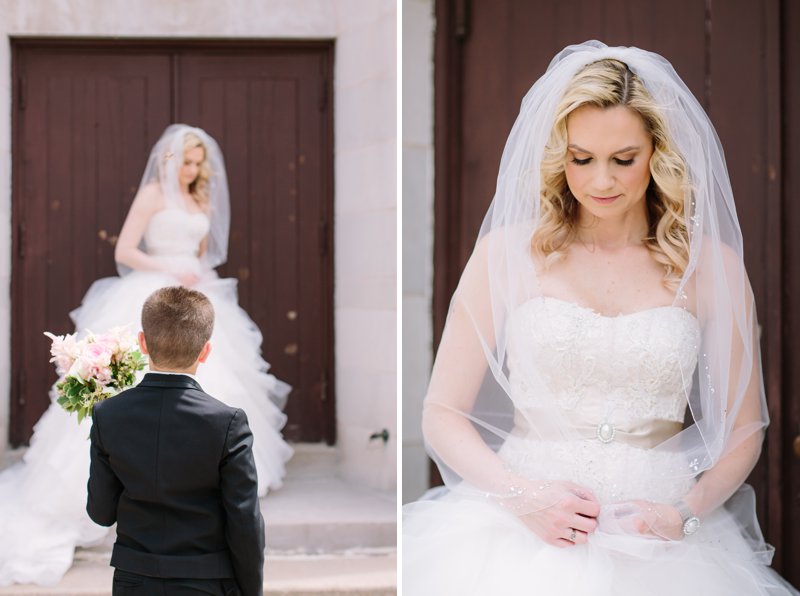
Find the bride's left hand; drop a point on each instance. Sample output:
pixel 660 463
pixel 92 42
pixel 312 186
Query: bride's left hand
pixel 658 520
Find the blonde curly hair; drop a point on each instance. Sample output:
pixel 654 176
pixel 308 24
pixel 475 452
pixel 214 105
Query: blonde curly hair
pixel 607 83
pixel 199 187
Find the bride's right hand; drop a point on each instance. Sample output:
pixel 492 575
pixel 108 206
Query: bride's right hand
pixel 552 510
pixel 187 280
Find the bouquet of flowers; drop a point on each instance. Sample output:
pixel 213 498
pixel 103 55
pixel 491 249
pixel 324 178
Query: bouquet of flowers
pixel 94 368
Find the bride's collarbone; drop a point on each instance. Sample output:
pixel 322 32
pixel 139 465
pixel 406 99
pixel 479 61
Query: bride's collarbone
pixel 616 288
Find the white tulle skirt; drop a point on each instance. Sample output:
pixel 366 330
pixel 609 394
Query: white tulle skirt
pixel 455 546
pixel 43 498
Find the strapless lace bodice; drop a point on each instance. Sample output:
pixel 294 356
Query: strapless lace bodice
pixel 175 233
pixel 620 383
pixel 624 369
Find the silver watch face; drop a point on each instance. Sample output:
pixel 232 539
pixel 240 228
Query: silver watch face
pixel 690 526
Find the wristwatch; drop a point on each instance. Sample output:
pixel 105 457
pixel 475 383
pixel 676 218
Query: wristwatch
pixel 691 523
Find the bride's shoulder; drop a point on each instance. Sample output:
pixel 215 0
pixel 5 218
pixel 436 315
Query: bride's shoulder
pixel 150 197
pixel 719 262
pixel 497 251
pixel 504 240
pixel 720 254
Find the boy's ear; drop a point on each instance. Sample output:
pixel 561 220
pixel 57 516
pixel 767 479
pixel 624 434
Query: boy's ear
pixel 142 343
pixel 204 352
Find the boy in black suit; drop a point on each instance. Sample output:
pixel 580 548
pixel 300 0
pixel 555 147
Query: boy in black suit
pixel 173 467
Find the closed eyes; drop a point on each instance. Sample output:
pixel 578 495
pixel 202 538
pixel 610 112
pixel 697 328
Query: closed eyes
pixel 621 162
pixel 574 148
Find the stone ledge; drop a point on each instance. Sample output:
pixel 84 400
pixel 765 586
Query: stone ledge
pixel 328 515
pixel 355 574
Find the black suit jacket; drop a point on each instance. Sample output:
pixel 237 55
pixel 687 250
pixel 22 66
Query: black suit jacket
pixel 174 468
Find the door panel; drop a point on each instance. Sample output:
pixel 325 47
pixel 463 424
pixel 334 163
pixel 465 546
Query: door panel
pixel 83 131
pixel 267 115
pixel 787 489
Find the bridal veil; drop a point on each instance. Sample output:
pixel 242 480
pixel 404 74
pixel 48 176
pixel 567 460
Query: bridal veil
pixel 471 396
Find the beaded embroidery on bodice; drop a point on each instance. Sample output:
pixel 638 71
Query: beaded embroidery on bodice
pixel 175 233
pixel 619 383
pixel 639 365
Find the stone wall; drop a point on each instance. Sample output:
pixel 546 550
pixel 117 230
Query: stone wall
pixel 418 29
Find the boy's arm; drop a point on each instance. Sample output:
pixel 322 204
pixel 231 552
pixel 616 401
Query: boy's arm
pixel 244 526
pixel 104 487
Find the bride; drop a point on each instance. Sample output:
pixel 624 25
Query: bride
pixel 596 401
pixel 175 233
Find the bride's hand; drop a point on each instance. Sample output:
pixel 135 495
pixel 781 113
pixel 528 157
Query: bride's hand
pixel 562 514
pixel 657 520
pixel 187 280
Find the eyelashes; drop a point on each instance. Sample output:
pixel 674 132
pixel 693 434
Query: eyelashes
pixel 583 162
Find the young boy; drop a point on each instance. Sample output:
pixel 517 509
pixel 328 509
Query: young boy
pixel 173 467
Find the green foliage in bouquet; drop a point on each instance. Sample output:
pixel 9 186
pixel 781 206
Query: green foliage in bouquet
pixel 79 395
pixel 94 368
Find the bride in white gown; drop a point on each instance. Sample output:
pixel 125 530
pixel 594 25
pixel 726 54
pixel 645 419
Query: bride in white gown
pixel 596 401
pixel 176 233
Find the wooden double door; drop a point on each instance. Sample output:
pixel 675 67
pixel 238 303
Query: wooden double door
pixel 741 59
pixel 85 116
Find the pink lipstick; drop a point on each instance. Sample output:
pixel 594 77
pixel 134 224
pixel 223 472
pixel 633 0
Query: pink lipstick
pixel 605 200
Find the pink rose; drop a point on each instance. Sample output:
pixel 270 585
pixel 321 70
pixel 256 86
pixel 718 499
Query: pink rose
pixel 119 339
pixel 94 362
pixel 108 341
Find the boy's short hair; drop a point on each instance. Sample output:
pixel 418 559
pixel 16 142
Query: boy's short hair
pixel 177 322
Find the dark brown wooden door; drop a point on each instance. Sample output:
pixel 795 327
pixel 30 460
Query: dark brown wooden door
pixel 85 117
pixel 268 114
pixel 489 53
pixel 786 416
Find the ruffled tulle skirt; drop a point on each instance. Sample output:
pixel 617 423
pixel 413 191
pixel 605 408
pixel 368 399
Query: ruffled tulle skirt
pixel 43 498
pixel 458 546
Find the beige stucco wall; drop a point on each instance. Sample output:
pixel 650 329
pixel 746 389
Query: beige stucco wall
pixel 418 30
pixel 365 200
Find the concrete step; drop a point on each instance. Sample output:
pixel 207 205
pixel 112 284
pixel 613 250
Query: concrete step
pixel 357 574
pixel 317 512
pixel 328 515
pixel 312 460
pixel 316 516
pixel 324 536
pixel 11 456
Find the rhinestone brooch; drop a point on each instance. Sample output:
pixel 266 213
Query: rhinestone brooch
pixel 606 432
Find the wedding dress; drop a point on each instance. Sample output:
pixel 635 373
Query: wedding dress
pixel 43 498
pixel 619 382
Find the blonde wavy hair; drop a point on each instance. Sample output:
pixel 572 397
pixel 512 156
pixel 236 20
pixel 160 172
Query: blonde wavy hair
pixel 607 83
pixel 199 187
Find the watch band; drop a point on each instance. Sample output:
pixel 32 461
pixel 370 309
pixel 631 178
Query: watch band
pixel 691 523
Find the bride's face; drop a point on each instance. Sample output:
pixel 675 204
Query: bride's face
pixel 608 160
pixel 191 165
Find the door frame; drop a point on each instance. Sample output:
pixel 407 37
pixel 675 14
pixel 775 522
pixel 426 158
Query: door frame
pixel 145 45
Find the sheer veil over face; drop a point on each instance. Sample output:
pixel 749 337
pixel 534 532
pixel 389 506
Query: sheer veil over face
pixel 167 165
pixel 480 397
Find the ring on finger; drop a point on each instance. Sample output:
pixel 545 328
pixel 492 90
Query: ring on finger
pixel 572 535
